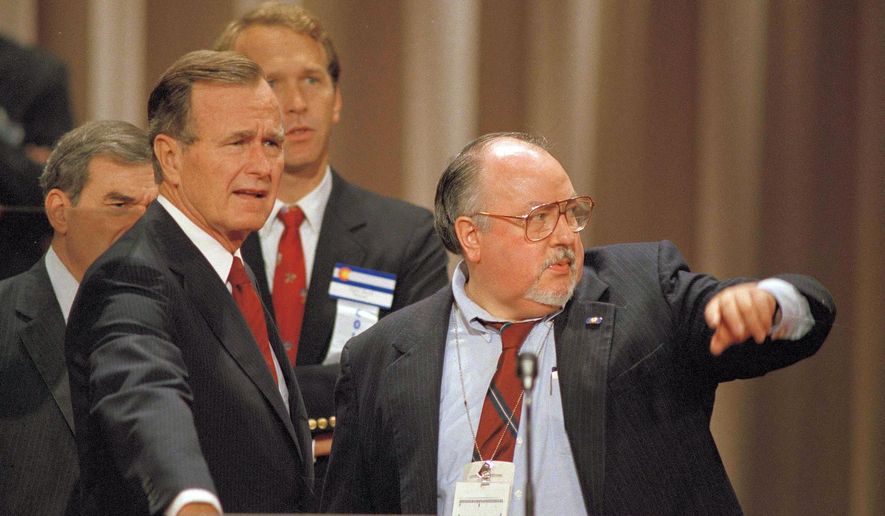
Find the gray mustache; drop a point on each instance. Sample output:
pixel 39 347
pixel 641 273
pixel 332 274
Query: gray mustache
pixel 560 254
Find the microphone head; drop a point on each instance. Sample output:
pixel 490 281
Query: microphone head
pixel 527 369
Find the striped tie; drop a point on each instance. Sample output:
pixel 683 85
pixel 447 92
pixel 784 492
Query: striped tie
pixel 496 435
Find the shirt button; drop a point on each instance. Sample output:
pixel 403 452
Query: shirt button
pixel 518 493
pixel 519 441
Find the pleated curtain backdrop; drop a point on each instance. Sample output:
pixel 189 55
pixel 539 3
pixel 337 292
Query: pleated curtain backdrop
pixel 750 133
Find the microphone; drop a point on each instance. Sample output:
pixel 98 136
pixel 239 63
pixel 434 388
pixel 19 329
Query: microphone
pixel 527 369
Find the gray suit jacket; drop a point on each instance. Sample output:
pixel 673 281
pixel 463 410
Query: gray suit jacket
pixel 38 455
pixel 364 229
pixel 170 390
pixel 637 391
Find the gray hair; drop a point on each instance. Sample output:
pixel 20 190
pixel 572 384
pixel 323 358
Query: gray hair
pixel 169 102
pixel 458 192
pixel 68 166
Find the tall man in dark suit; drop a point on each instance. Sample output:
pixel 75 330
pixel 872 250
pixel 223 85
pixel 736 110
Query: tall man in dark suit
pixel 34 113
pixel 342 224
pixel 630 344
pixel 96 184
pixel 184 402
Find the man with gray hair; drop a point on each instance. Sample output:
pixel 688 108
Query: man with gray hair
pixel 97 182
pixel 629 347
pixel 322 226
pixel 183 399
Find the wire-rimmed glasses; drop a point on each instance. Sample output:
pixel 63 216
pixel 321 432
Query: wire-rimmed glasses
pixel 541 220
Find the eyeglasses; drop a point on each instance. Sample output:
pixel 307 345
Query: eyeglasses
pixel 541 220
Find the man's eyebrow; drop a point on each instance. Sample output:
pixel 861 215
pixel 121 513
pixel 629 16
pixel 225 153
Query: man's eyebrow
pixel 246 133
pixel 314 69
pixel 535 204
pixel 119 197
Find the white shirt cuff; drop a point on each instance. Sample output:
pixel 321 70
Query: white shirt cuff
pixel 192 496
pixel 795 319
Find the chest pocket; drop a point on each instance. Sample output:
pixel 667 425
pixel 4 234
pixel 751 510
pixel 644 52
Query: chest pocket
pixel 556 440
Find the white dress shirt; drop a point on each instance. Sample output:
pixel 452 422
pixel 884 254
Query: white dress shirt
pixel 314 206
pixel 63 283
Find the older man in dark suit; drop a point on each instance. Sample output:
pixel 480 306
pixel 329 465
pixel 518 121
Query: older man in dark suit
pixel 630 345
pixel 183 398
pixel 340 224
pixel 96 184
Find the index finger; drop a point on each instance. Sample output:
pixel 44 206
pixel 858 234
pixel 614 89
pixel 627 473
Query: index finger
pixel 712 312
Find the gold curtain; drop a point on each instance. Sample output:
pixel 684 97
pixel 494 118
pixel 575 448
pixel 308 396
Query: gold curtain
pixel 750 133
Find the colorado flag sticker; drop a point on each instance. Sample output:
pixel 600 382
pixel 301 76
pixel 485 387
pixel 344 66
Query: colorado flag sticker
pixel 362 285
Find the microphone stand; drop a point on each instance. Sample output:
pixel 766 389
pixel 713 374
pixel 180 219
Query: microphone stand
pixel 527 369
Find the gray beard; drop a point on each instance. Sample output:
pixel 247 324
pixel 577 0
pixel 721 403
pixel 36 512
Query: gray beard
pixel 554 297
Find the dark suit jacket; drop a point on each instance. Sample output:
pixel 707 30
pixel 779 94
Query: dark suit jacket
pixel 170 390
pixel 637 391
pixel 34 94
pixel 38 455
pixel 367 230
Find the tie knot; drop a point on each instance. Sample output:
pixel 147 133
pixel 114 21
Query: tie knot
pixel 292 217
pixel 512 334
pixel 238 276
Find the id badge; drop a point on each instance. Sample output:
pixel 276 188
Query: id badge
pixel 351 319
pixel 360 293
pixel 484 489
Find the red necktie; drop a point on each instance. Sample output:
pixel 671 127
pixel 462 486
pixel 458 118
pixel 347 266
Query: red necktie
pixel 496 435
pixel 253 311
pixel 290 282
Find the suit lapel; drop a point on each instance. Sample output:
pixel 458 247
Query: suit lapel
pixel 212 300
pixel 412 396
pixel 253 256
pixel 583 342
pixel 337 243
pixel 43 336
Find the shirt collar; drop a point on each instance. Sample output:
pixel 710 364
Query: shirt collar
pixel 219 258
pixel 313 205
pixel 474 315
pixel 63 283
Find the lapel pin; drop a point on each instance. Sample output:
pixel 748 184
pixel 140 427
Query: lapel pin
pixel 593 321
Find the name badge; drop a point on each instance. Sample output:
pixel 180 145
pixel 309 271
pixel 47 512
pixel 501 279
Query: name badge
pixel 361 294
pixel 484 489
pixel 362 285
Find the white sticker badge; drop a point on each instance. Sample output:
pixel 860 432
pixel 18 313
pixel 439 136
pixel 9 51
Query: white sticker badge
pixel 351 319
pixel 361 294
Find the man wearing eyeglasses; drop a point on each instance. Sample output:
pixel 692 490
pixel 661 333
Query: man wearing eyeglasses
pixel 630 347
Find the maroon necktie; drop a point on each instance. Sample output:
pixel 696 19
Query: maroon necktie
pixel 496 435
pixel 290 282
pixel 252 310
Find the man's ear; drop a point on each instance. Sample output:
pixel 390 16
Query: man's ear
pixel 168 151
pixel 56 205
pixel 469 237
pixel 336 107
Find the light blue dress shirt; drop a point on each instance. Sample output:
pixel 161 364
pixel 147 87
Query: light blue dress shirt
pixel 555 478
pixel 556 485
